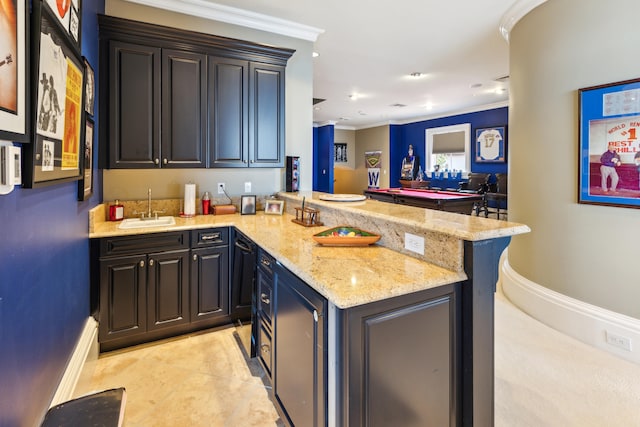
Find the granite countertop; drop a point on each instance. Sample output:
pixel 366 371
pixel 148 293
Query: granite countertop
pixel 348 276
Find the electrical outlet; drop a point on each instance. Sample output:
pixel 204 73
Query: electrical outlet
pixel 221 188
pixel 618 341
pixel 414 243
pixel 247 187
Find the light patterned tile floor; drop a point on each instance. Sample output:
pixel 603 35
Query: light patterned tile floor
pixel 201 379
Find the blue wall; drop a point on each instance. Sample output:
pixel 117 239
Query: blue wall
pixel 323 140
pixel 44 279
pixel 414 133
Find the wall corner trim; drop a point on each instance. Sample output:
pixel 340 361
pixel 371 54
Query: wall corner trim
pixel 515 13
pixel 585 322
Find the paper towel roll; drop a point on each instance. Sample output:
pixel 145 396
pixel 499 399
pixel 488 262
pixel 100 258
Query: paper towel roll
pixel 189 199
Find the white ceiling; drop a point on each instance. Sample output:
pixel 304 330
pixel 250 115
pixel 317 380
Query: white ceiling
pixel 369 48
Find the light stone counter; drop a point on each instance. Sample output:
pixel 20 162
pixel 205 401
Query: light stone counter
pixel 350 276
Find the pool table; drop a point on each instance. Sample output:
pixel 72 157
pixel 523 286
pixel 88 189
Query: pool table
pixel 450 201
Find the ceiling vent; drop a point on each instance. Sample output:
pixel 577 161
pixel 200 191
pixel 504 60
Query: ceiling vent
pixel 398 105
pixel 503 79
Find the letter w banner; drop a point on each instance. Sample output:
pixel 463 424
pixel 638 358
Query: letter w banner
pixel 372 163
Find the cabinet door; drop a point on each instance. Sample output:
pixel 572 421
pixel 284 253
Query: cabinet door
pixel 134 105
pixel 184 109
pixel 228 112
pixel 168 290
pixel 299 361
pixel 123 302
pixel 266 116
pixel 209 284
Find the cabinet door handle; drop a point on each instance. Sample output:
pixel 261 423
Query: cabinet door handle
pixel 195 257
pixel 265 298
pixel 150 263
pixel 156 161
pixel 164 161
pixel 211 236
pixel 265 262
pixel 315 316
pixel 265 348
pixel 142 264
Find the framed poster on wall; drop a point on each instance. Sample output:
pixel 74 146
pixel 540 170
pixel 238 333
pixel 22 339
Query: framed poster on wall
pixel 14 71
pixel 58 82
pixel 609 156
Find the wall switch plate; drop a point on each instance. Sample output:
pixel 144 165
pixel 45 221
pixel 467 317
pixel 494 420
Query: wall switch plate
pixel 221 188
pixel 414 243
pixel 247 187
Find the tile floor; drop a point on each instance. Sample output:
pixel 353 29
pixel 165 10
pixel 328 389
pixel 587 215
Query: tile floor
pixel 201 379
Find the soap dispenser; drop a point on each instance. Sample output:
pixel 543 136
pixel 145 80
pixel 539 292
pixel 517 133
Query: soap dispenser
pixel 116 211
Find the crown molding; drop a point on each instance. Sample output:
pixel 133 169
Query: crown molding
pixel 515 13
pixel 233 15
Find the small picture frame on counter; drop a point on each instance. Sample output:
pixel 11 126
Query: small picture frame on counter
pixel 248 205
pixel 273 207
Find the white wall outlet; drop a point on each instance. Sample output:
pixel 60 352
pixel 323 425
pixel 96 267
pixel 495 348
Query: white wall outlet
pixel 414 243
pixel 221 188
pixel 247 187
pixel 618 340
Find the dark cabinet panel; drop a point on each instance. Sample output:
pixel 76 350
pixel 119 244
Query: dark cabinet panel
pixel 300 357
pixel 228 112
pixel 209 283
pixel 400 374
pixel 168 290
pixel 123 297
pixel 134 105
pixel 266 116
pixel 184 107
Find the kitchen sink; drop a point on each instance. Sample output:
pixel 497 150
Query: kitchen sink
pixel 145 223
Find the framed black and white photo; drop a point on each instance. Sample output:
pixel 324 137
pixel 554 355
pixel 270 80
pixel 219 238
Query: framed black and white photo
pixel 340 152
pixel 89 87
pixel 248 205
pixel 58 82
pixel 14 71
pixel 273 207
pixel 85 185
pixel 490 145
pixel 609 146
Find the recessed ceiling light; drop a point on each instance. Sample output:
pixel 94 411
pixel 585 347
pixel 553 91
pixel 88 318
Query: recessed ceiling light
pixel 353 97
pixel 315 54
pixel 416 74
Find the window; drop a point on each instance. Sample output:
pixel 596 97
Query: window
pixel 449 147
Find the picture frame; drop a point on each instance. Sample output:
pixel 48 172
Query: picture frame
pixel 15 45
pixel 340 152
pixel 57 76
pixel 85 184
pixel 248 205
pixel 89 87
pixel 274 207
pixel 491 144
pixel 67 15
pixel 609 144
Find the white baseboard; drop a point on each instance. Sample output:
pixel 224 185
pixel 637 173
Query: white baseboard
pixel 86 342
pixel 585 322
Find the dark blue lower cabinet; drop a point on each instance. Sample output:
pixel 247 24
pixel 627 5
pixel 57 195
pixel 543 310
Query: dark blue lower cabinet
pixel 393 363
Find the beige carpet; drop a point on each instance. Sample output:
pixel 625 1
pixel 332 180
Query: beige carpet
pixel 544 378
